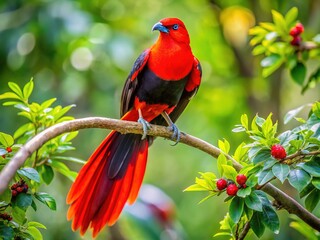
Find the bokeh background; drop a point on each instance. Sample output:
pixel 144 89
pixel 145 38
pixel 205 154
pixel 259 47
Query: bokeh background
pixel 82 51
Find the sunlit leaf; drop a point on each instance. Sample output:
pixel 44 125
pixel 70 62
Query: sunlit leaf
pixel 35 233
pixel 27 90
pixel 291 16
pixel 6 139
pixel 16 89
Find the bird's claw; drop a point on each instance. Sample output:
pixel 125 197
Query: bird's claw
pixel 145 126
pixel 176 135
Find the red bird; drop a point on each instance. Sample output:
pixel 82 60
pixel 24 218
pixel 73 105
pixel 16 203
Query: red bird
pixel 159 87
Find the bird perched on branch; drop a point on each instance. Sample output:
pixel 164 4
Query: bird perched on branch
pixel 159 87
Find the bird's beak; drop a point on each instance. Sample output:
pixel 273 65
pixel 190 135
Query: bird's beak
pixel 158 26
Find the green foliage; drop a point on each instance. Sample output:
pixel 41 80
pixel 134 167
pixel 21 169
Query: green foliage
pixel 39 168
pixel 273 41
pixel 300 167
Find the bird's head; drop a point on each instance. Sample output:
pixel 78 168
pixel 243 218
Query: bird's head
pixel 173 28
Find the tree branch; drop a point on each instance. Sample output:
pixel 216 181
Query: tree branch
pixel 8 172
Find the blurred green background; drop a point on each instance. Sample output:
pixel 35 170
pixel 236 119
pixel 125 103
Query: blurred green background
pixel 81 52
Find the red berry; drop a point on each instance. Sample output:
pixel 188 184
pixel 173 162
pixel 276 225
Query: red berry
pixel 278 152
pixel 294 32
pixel 221 184
pixel 241 179
pixel 300 28
pixel 296 41
pixel 9 149
pixel 3 156
pixel 232 189
pixel 19 189
pixel 14 193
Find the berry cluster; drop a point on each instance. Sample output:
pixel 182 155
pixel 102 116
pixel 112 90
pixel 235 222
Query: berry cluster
pixel 295 32
pixel 278 152
pixel 230 186
pixel 19 187
pixel 5 216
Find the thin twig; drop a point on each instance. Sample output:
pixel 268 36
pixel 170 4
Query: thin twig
pixel 8 172
pixel 244 231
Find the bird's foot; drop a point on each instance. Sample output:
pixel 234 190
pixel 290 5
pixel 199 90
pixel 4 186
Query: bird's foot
pixel 176 135
pixel 145 126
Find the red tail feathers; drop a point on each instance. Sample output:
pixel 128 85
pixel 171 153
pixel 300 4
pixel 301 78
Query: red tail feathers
pixel 111 177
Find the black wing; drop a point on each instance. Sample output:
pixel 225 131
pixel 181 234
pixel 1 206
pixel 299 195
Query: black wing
pixel 130 86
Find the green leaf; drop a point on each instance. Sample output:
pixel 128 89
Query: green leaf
pixel 316 182
pixel 236 209
pixel 280 23
pixel 223 234
pixel 23 130
pixel 281 171
pixel 22 200
pixel 299 179
pixel 252 181
pixel 35 233
pixel 195 188
pixel 16 89
pixel 312 200
pixel 312 167
pixel 306 190
pixel 256 224
pixel 9 95
pixel 224 146
pixel 222 160
pixel 298 73
pixel 243 192
pixel 27 89
pixel 265 176
pixel 6 232
pixel 270 60
pixel 19 215
pixel 63 169
pixel 261 156
pixel 36 224
pixel 291 16
pixel 270 218
pixel 46 199
pixel 47 174
pixel 271 64
pixel 30 173
pixel 6 140
pixel 303 228
pixel 259 49
pixel 253 202
pixel 229 171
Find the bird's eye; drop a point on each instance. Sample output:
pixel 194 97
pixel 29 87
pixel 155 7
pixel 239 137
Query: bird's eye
pixel 175 26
